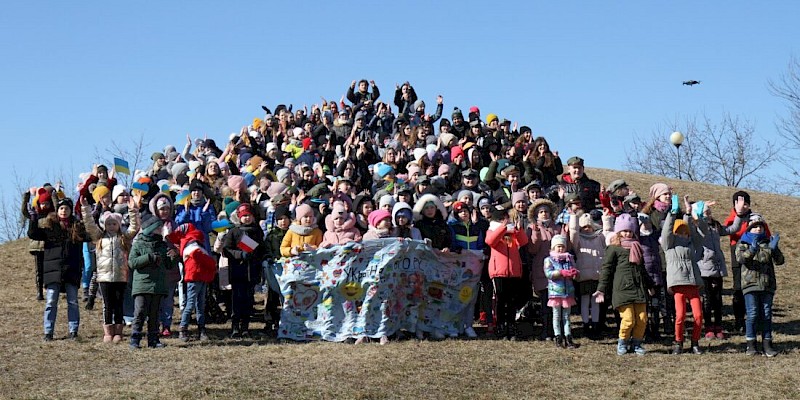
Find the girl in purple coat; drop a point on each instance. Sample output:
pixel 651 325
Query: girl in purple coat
pixel 648 239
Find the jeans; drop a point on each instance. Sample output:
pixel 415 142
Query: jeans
pixel 167 306
pixel 561 319
pixel 51 307
pixel 88 264
pixel 195 301
pixel 759 307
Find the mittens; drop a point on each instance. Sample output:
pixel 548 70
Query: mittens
pixel 675 204
pixel 773 241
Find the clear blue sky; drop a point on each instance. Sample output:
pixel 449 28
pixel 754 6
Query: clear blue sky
pixel 586 75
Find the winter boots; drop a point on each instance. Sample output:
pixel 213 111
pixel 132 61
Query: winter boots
pixel 117 330
pixel 768 350
pixel 108 333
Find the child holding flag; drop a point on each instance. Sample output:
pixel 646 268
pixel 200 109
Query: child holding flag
pixel 244 247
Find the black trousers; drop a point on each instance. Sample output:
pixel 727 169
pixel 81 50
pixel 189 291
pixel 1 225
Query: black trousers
pixel 39 260
pixel 241 304
pixel 145 306
pixel 506 291
pixel 113 297
pixel 712 301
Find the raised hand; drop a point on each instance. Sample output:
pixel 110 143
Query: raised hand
pixel 439 99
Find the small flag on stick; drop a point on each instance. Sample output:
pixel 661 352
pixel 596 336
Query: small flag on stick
pixel 121 166
pixel 247 244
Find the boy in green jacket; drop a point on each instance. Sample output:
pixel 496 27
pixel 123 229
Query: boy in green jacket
pixel 149 259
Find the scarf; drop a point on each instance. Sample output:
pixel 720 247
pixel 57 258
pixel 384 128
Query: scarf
pixel 301 230
pixel 380 232
pixel 661 206
pixel 64 222
pixel 752 238
pixel 635 248
pixel 561 257
pixel 198 202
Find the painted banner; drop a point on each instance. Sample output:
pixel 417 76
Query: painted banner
pixel 376 288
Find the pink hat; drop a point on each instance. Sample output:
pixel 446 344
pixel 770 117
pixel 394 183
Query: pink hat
pixel 338 210
pixel 303 210
pixel 475 109
pixel 236 183
pixel 377 216
pixel 518 196
pixel 625 222
pixel 455 152
pixel 275 188
pixel 658 189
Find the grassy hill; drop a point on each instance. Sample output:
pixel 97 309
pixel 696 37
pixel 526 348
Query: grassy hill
pixel 261 367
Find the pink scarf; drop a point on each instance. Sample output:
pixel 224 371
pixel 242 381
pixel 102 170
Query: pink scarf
pixel 635 248
pixel 661 206
pixel 561 257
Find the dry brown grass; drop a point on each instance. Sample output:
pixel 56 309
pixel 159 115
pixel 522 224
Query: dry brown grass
pixel 449 369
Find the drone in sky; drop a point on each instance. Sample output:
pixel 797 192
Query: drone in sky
pixel 691 83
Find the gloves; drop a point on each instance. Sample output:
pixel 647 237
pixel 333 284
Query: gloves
pixel 699 209
pixel 675 204
pixel 569 273
pixel 754 248
pixel 773 241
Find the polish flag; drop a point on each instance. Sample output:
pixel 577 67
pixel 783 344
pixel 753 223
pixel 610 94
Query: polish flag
pixel 247 244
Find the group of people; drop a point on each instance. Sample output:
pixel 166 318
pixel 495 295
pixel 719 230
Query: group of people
pixel 216 220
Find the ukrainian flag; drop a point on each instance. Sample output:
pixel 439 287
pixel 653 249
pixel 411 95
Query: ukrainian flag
pixel 121 166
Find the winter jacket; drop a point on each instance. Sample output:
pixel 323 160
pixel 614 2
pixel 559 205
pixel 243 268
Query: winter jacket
pixel 244 267
pixel 273 243
pixel 198 265
pixel 539 248
pixel 468 235
pixel 589 250
pixel 149 262
pixel 629 281
pixel 505 261
pixel 345 234
pixel 588 190
pixel 651 252
pixel 201 219
pixel 63 253
pixel 294 239
pixel 111 253
pixel 758 266
pixel 559 287
pixel 434 229
pixel 680 253
pixel 712 259
pixel 731 220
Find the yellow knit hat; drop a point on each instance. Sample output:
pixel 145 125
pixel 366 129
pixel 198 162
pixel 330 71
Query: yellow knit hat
pixel 99 192
pixel 490 118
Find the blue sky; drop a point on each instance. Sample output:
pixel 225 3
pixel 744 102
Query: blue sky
pixel 586 75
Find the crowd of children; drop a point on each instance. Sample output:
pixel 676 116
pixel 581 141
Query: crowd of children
pixel 213 222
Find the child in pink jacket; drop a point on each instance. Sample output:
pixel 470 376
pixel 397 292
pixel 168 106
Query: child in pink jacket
pixel 505 268
pixel 341 227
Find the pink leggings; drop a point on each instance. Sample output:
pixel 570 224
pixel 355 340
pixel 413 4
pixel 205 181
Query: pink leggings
pixel 681 294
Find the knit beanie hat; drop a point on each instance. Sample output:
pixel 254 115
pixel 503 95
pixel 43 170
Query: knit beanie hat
pixel 155 156
pixel 386 200
pixel 163 202
pixel 658 189
pixel 455 151
pixel 99 192
pixel 457 113
pixel 338 210
pixel 586 220
pixel 447 138
pixel 383 169
pixel 490 118
pixel 558 240
pixel 109 216
pixel 280 212
pixel 282 174
pixel 244 209
pixel 625 222
pixel 275 188
pixel 755 220
pixel 178 169
pixel 230 206
pixel 680 227
pixel 403 210
pixel 303 210
pixel 118 190
pixel 377 216
pixel 150 224
pixel 518 196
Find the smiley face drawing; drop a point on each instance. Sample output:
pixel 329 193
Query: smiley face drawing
pixel 465 294
pixel 352 290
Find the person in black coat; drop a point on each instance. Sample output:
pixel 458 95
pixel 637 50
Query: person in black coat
pixel 244 267
pixel 63 236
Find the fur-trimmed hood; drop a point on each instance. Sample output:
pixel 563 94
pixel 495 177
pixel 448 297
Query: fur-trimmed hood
pixel 538 203
pixel 424 199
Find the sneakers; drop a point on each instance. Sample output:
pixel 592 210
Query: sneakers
pixel 710 334
pixel 696 348
pixel 638 347
pixel 470 332
pixel 90 303
pixel 482 319
pixel 73 336
pixel 384 340
pixel 720 334
pixel 166 333
pixel 622 347
pixel 569 343
pixel 677 348
pixel 235 334
pixel 136 338
pixel 183 335
pixel 48 337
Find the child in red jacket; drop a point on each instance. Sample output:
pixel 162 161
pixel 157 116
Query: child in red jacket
pixel 505 268
pixel 199 269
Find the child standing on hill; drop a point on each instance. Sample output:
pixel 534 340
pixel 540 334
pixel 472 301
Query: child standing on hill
pixel 680 241
pixel 505 268
pixel 759 254
pixel 150 258
pixel 112 246
pixel 63 237
pixel 560 270
pixel 589 245
pixel 273 241
pixel 623 267
pixel 656 306
pixel 244 247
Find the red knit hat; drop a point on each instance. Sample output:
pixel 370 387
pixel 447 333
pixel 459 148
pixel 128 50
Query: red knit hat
pixel 306 143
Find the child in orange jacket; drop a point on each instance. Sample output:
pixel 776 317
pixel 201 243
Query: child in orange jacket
pixel 505 268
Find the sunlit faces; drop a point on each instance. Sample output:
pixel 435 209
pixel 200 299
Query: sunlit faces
pixel 112 226
pixel 283 222
pixel 429 210
pixel 542 214
pixel 513 177
pixel 464 214
pixel 247 219
pixel 458 159
pixel 665 198
pixel 575 171
pixel 306 220
pixel 385 223
pixel 64 211
pixel 560 248
pixel 123 197
pixel 366 208
pixel 390 155
pixel 625 234
pixel 308 175
pixel 486 211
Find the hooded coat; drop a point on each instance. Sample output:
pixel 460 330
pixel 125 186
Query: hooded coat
pixel 434 229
